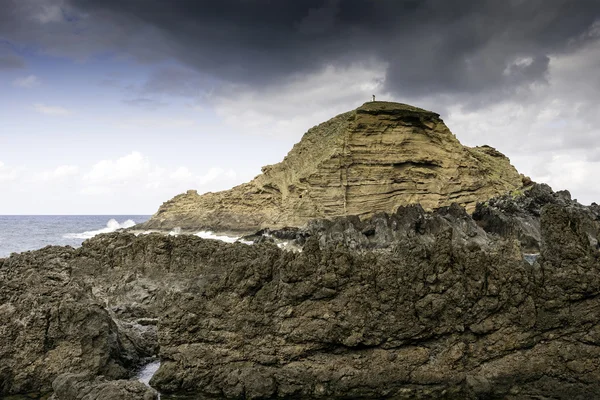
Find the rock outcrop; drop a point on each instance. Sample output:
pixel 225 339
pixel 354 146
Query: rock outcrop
pixel 51 323
pixel 515 215
pixel 89 387
pixel 433 305
pixel 443 316
pixel 375 158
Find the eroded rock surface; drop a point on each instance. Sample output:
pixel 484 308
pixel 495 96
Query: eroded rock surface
pixel 514 215
pixel 375 158
pixel 89 387
pixel 417 304
pixel 51 323
pixel 433 319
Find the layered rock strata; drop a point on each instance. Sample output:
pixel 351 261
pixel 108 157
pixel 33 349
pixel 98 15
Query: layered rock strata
pixel 375 158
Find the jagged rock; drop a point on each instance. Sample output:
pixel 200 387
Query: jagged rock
pixel 433 319
pixel 51 323
pixel 517 214
pixel 88 387
pixel 446 311
pixel 375 158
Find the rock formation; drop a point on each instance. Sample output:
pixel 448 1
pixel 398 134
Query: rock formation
pixel 412 283
pixel 431 306
pixel 51 323
pixel 88 387
pixel 447 314
pixel 375 158
pixel 513 215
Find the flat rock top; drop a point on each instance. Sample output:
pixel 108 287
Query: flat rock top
pixel 388 107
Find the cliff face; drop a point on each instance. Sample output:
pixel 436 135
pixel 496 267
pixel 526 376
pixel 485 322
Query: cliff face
pixel 375 158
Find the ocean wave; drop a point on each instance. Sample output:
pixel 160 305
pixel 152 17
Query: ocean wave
pixel 223 238
pixel 111 226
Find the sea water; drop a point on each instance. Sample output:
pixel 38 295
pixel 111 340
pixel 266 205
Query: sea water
pixel 20 233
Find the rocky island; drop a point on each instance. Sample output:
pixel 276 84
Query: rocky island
pixel 426 270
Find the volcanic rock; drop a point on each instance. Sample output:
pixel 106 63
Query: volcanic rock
pixel 414 304
pixel 88 387
pixel 372 159
pixel 433 319
pixel 515 215
pixel 51 323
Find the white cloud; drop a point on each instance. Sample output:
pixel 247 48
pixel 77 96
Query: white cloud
pixel 570 171
pixel 302 101
pixel 135 171
pixel 215 173
pixel 132 183
pixel 120 170
pixel 27 82
pixel 7 173
pixel 181 174
pixel 58 173
pixel 51 110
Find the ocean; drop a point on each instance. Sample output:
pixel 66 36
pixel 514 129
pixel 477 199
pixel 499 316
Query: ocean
pixel 20 233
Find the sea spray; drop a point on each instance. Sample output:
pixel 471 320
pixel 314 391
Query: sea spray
pixel 111 226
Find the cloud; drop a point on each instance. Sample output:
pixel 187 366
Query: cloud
pixel 181 174
pixel 59 173
pixel 431 46
pixel 518 75
pixel 215 173
pixel 302 100
pixel 52 110
pixel 27 82
pixel 120 170
pixel 7 174
pixel 145 103
pixel 48 13
pixel 572 172
pixel 135 170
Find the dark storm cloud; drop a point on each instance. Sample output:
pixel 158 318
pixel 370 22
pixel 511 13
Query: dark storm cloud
pixel 431 46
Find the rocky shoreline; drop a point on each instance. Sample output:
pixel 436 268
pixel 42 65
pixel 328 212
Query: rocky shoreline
pixel 411 305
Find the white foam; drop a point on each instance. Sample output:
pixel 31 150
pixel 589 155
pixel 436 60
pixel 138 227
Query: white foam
pixel 223 238
pixel 147 372
pixel 176 231
pixel 111 226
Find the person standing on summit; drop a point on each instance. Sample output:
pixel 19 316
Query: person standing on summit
pixel 373 97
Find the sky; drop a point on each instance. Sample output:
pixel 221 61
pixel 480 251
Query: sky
pixel 115 106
